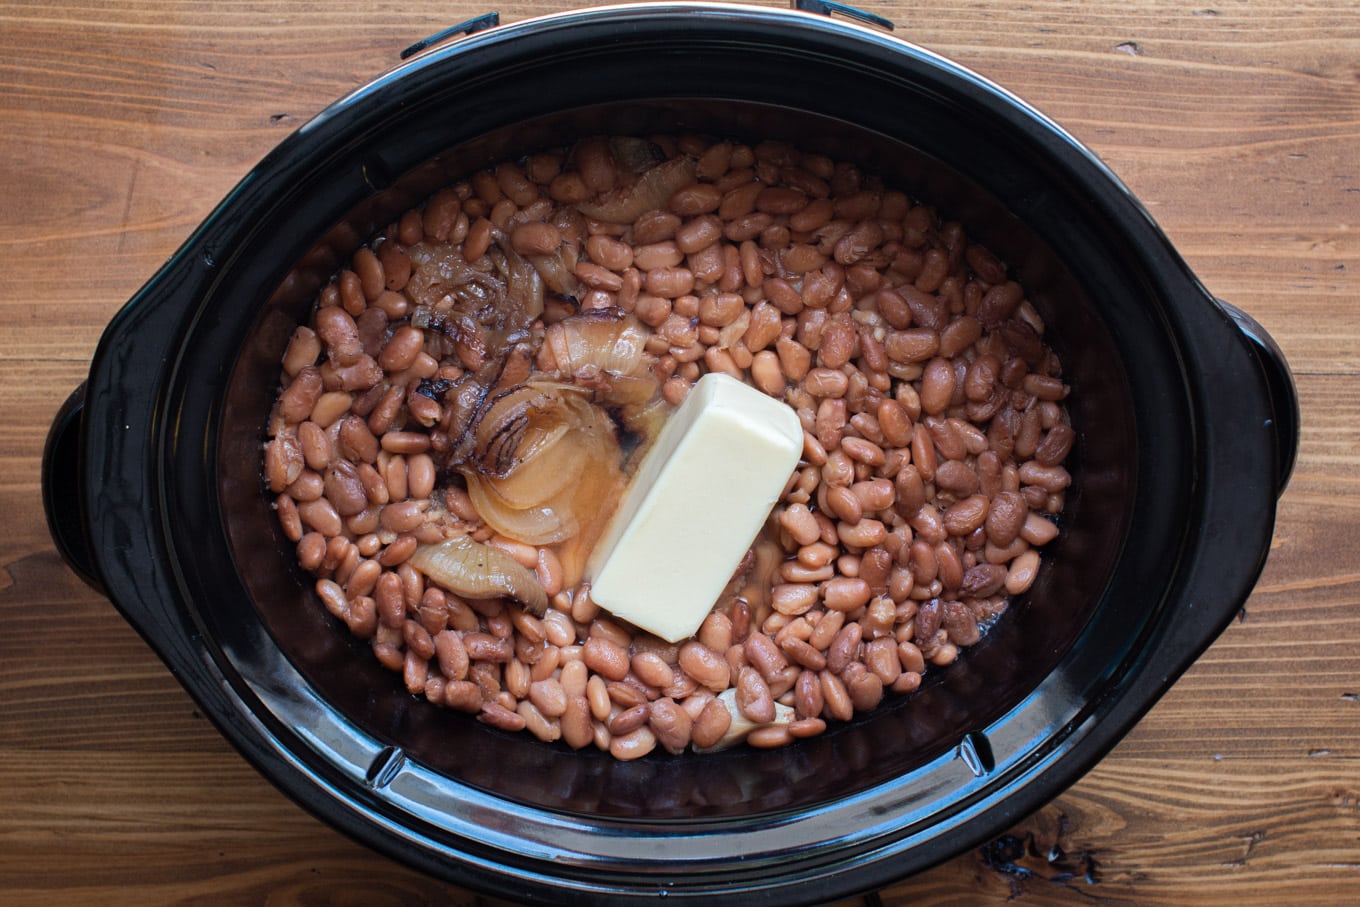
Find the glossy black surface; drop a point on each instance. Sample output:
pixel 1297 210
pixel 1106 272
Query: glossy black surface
pixel 1183 445
pixel 67 520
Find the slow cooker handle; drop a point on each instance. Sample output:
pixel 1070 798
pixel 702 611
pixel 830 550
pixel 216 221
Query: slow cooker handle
pixel 466 27
pixel 1284 395
pixel 61 490
pixel 827 7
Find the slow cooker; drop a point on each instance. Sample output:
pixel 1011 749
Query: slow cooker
pixel 1186 416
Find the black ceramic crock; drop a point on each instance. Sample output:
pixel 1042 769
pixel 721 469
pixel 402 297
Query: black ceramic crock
pixel 1185 410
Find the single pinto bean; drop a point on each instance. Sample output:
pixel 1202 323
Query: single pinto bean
pixel 300 396
pixel 401 350
pixel 865 534
pixel 1055 445
pixel 981 377
pixel 999 302
pixel 864 687
pixel 875 494
pixel 1006 517
pixel 535 238
pixel 894 422
pixel 753 696
pixel 710 725
pixel 845 504
pixel 959 335
pixel 671 724
pixel 1022 572
pixel 948 440
pixel 964 516
pixel 862 451
pixel 846 594
pixel 1037 530
pixel 609 252
pixel 956 477
pixel 628 720
pixel 837 700
pixel 937 387
pixel 304 347
pixel 911 490
pixel 664 254
pixel 800 523
pixel 830 422
pixel 707 667
pixel 876 569
pixel 284 461
pixel 344 488
pixel 923 452
pixel 762 653
pixel 405 442
pixel 838 343
pixel 983 580
pixel 1049 478
pixel 826 382
pixel 793 599
pixel 338 331
pixel 767 375
pixel 355 441
pixel 669 282
pixel 1044 387
pixel 370 271
pixel 695 199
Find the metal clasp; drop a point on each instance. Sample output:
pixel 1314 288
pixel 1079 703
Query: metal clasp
pixel 827 7
pixel 471 26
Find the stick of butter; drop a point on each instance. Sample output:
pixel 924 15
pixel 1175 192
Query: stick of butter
pixel 695 505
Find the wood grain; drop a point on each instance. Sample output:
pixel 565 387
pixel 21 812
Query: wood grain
pixel 1236 123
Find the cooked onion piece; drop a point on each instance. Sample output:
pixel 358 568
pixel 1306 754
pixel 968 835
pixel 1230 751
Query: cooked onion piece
pixel 605 340
pixel 554 466
pixel 652 190
pixel 474 570
pixel 546 468
pixel 516 425
pixel 741 725
pixel 604 350
pixel 558 270
pixel 523 283
pixel 481 313
pixel 537 524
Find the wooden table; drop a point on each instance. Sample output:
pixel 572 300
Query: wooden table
pixel 1237 124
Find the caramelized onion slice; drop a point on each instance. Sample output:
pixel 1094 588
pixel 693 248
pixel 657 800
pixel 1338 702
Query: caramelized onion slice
pixel 474 570
pixel 558 270
pixel 606 340
pixel 523 283
pixel 646 422
pixel 516 425
pixel 547 464
pixel 545 469
pixel 604 350
pixel 632 391
pixel 546 523
pixel 634 154
pixel 652 190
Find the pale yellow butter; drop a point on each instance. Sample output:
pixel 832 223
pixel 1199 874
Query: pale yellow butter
pixel 695 505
